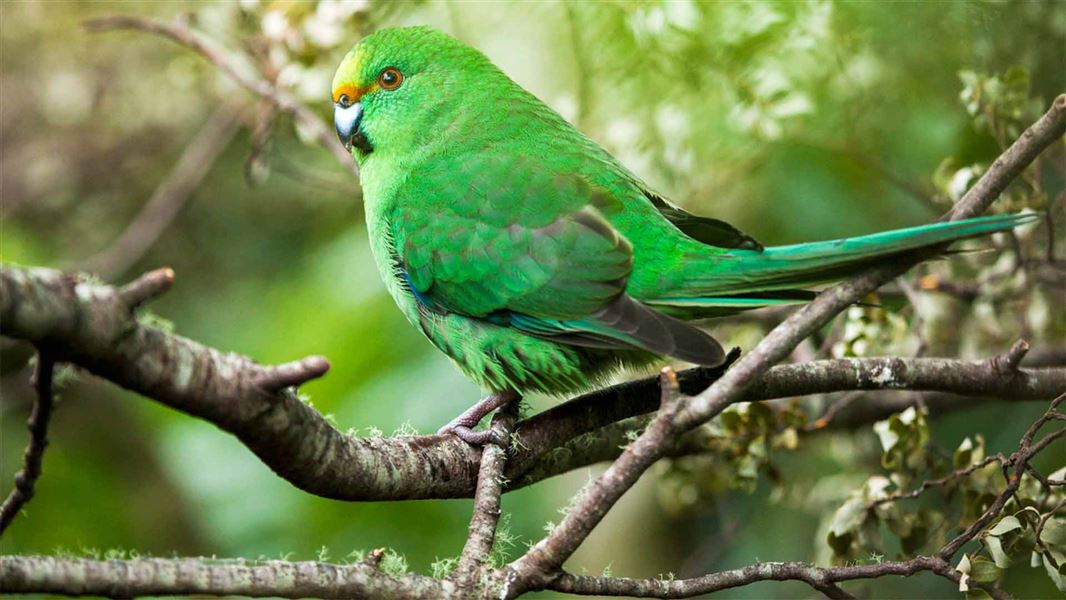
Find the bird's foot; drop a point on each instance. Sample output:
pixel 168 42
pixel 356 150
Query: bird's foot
pixel 462 426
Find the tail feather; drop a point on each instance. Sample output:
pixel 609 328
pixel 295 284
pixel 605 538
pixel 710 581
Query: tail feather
pixel 742 279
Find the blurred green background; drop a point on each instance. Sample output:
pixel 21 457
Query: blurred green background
pixel 794 121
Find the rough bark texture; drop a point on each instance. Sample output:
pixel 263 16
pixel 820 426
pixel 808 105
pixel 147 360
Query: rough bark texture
pixel 91 325
pixel 188 576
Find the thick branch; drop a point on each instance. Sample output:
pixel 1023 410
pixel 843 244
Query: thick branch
pixel 90 325
pixel 192 576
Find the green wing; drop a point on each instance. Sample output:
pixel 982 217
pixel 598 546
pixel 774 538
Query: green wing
pixel 505 240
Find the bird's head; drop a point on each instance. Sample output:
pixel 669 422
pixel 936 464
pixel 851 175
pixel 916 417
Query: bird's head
pixel 400 85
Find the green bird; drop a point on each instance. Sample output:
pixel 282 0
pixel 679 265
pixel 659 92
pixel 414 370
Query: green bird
pixel 527 253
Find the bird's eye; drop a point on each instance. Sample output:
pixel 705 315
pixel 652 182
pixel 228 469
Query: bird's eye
pixel 390 78
pixel 344 101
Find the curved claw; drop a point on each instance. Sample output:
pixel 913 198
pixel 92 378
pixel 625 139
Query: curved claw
pixel 474 438
pixel 462 426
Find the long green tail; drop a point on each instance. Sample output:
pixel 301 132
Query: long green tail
pixel 743 279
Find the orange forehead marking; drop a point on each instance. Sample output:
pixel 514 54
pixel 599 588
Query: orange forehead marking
pixel 353 92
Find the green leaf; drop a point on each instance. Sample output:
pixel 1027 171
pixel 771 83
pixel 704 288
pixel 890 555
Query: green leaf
pixel 731 420
pixel 984 570
pixel 995 550
pixel 886 435
pixel 1054 574
pixel 970 451
pixel 964 566
pixel 845 525
pixel 1053 534
pixel 1008 523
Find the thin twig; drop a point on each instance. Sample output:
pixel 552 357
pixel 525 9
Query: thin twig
pixel 539 566
pixel 919 321
pixel 1018 460
pixel 26 479
pixel 147 287
pixel 822 579
pixel 180 33
pixel 950 477
pixel 170 197
pixel 834 409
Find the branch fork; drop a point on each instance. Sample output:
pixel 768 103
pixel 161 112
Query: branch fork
pixel 235 393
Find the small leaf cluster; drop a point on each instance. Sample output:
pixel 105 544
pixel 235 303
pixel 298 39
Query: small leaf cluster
pixel 739 447
pixel 956 492
pixel 999 103
pixel 855 528
pixel 869 327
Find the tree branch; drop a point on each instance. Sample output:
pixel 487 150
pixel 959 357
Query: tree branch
pixel 192 576
pixel 822 579
pixel 91 325
pixel 490 486
pixel 227 62
pixel 541 564
pixel 26 479
pixel 171 195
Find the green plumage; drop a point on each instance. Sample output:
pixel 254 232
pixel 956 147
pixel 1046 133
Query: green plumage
pixel 527 253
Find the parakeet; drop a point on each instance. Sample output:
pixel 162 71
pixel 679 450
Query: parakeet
pixel 526 252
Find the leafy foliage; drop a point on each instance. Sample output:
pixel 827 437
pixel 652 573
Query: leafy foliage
pixel 795 121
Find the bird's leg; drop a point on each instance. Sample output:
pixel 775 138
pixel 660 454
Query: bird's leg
pixel 462 426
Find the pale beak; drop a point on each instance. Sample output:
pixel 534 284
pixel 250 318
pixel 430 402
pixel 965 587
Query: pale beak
pixel 346 120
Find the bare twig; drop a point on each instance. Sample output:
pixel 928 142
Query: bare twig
pixel 147 287
pixel 26 479
pixel 950 477
pixel 834 409
pixel 275 378
pixel 919 321
pixel 1018 460
pixel 821 579
pixel 540 565
pixel 171 195
pixel 1010 360
pixel 180 33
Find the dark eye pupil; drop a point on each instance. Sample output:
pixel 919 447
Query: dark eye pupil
pixel 388 77
pixel 345 101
